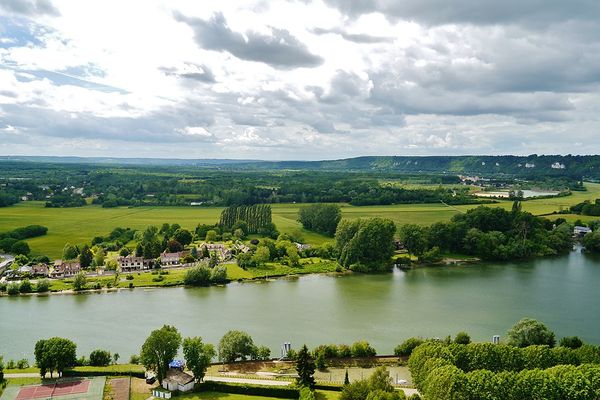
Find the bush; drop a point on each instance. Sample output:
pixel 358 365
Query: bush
pixel 362 349
pixel 100 358
pixel 572 342
pixel 43 285
pixel 25 286
pixel 529 332
pixel 406 348
pixel 462 338
pixel 129 277
pixel 13 289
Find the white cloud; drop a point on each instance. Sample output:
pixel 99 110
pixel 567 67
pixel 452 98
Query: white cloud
pixel 296 79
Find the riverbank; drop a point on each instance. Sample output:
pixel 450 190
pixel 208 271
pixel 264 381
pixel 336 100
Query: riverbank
pixel 174 277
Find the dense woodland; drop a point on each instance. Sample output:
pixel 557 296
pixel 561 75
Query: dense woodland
pixel 490 233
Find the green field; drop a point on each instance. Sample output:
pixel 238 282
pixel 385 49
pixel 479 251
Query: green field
pixel 80 225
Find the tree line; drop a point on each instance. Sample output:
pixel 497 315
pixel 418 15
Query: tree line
pixel 490 233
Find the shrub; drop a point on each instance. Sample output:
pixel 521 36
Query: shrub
pixel 129 277
pixel 362 349
pixel 529 332
pixel 23 363
pixel 462 338
pixel 100 358
pixel 43 285
pixel 25 286
pixel 282 392
pixel 13 289
pixel 572 342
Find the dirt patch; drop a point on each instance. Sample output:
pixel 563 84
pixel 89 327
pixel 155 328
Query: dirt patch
pixel 119 389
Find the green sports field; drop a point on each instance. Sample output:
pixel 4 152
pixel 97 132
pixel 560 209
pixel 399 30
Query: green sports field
pixel 80 225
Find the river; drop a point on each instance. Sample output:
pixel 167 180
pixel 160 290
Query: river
pixel 482 299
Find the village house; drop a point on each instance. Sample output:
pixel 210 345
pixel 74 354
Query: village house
pixel 223 253
pixel 65 269
pixel 40 270
pixel 25 270
pixel 302 247
pixel 170 259
pixel 133 263
pixel 581 231
pixel 178 380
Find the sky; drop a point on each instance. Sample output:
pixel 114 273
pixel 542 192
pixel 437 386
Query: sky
pixel 299 79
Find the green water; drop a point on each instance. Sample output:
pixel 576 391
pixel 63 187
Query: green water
pixel 384 309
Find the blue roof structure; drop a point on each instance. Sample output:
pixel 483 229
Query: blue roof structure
pixel 177 364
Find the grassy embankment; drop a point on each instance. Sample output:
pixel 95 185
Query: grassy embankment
pixel 175 277
pixel 80 225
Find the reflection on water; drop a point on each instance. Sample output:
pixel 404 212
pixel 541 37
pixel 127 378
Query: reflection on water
pixel 483 299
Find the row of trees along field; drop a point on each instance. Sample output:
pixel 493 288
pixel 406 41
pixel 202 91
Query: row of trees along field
pixel 254 217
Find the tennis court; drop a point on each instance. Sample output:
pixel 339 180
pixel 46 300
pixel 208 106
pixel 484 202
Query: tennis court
pixel 63 389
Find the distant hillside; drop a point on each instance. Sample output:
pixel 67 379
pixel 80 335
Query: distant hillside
pixel 532 165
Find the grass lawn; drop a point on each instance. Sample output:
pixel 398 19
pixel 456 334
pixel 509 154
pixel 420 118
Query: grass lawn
pixel 80 224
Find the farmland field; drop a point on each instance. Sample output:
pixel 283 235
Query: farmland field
pixel 79 225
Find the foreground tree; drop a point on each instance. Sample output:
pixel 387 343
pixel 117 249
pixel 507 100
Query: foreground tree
pixel 236 345
pixel 366 245
pixel 55 354
pixel 197 356
pixel 86 257
pixel 528 332
pixel 159 349
pixel 305 366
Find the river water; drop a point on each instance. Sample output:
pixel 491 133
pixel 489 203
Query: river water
pixel 482 299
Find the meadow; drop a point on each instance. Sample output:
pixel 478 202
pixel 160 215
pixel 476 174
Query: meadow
pixel 79 225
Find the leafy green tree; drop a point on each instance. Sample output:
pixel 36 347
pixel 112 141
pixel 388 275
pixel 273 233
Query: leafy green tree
pixel 198 356
pixel 572 342
pixel 173 246
pixel 362 349
pixel 235 345
pixel 305 367
pixel 20 247
pixel 100 358
pixel 159 349
pixel 70 252
pixel 380 380
pixel 462 338
pixel 80 281
pixel 183 236
pixel 262 255
pixel 323 218
pixel 262 353
pixel 357 390
pixel 42 286
pixel 85 257
pixel 306 393
pixel 591 241
pixel 55 354
pixel 528 332
pixel 365 245
pixel 99 257
pixel 346 378
pixel 212 235
pixel 1 369
pixel 414 239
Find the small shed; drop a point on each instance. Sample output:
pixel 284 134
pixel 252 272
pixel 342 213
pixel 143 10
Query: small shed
pixel 177 380
pixel 581 230
pixel 161 393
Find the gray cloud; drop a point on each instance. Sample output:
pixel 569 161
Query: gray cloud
pixel 29 8
pixel 197 72
pixel 353 37
pixel 281 50
pixel 480 12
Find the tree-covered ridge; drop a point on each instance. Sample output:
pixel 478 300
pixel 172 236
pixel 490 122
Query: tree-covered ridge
pixel 530 165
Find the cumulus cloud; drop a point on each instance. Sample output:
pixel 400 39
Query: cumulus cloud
pixel 280 49
pixel 353 37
